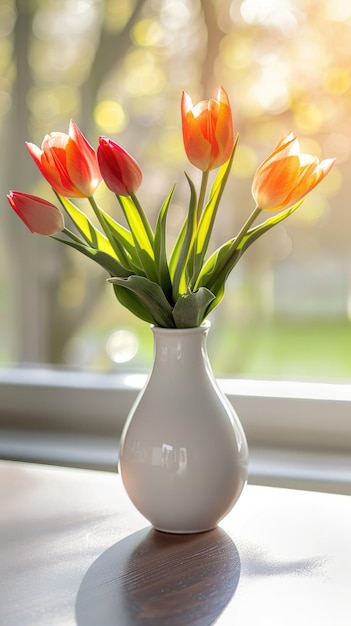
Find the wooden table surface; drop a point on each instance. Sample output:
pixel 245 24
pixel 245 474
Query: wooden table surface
pixel 74 551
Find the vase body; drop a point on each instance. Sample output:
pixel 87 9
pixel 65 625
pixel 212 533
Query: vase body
pixel 183 454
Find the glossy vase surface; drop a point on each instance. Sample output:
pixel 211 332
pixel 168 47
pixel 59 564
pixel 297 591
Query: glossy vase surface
pixel 183 453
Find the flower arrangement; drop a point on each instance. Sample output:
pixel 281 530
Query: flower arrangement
pixel 176 290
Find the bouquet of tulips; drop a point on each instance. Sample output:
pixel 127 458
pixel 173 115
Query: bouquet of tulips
pixel 180 288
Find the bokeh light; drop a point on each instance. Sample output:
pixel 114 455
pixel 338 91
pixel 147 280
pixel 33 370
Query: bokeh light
pixel 122 346
pixel 110 117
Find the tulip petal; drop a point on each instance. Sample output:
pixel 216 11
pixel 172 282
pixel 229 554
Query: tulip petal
pixel 208 133
pixel 222 96
pixel 85 172
pixel 287 175
pixel 68 162
pixel 198 148
pixel 311 177
pixel 224 135
pixel 39 215
pixel 82 171
pixel 186 103
pixel 273 182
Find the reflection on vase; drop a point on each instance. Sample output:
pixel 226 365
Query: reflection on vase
pixel 165 456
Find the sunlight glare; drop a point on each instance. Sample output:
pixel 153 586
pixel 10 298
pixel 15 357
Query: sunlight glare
pixel 175 15
pixel 271 91
pixel 274 13
pixel 338 10
pixel 337 144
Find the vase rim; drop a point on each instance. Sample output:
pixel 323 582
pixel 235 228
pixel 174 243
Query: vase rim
pixel 205 326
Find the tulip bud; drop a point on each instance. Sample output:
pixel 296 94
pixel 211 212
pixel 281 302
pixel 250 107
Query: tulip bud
pixel 38 215
pixel 119 170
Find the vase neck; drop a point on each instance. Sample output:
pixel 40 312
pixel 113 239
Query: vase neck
pixel 181 347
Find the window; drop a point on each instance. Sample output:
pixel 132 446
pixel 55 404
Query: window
pixel 118 68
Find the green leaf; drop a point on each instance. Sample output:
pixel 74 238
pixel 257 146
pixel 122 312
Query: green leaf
pixel 256 232
pixel 141 233
pixel 160 248
pixel 151 296
pixel 85 227
pixel 191 309
pixel 176 249
pixel 133 303
pixel 109 263
pixel 123 240
pixel 209 214
pixel 218 267
pixel 183 253
pixel 119 232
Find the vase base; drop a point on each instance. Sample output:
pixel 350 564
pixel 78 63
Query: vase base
pixel 184 532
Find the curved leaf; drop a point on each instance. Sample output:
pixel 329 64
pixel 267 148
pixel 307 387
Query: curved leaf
pixel 217 268
pixel 191 309
pixel 120 234
pixel 256 232
pixel 85 227
pixel 151 296
pixel 133 303
pixel 109 263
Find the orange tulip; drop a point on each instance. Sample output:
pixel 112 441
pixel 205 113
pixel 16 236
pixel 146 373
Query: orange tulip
pixel 208 132
pixel 38 215
pixel 68 162
pixel 286 176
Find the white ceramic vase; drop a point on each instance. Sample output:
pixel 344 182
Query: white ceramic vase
pixel 183 453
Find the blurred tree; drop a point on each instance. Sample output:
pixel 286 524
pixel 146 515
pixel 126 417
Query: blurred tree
pixel 43 322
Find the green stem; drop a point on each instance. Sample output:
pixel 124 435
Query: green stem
pixel 71 235
pixel 97 213
pixel 200 204
pixel 242 232
pixel 117 247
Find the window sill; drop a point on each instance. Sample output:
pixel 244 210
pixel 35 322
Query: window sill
pixel 314 471
pixel 274 414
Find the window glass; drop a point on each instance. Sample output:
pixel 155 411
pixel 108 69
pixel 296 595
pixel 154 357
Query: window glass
pixel 118 67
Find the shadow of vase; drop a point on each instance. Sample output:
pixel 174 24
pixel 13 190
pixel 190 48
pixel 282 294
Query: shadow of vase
pixel 153 578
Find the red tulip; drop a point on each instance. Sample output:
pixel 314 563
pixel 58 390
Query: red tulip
pixel 208 132
pixel 286 176
pixel 68 162
pixel 119 170
pixel 38 215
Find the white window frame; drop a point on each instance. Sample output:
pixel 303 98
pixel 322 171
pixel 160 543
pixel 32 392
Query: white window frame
pixel 299 433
